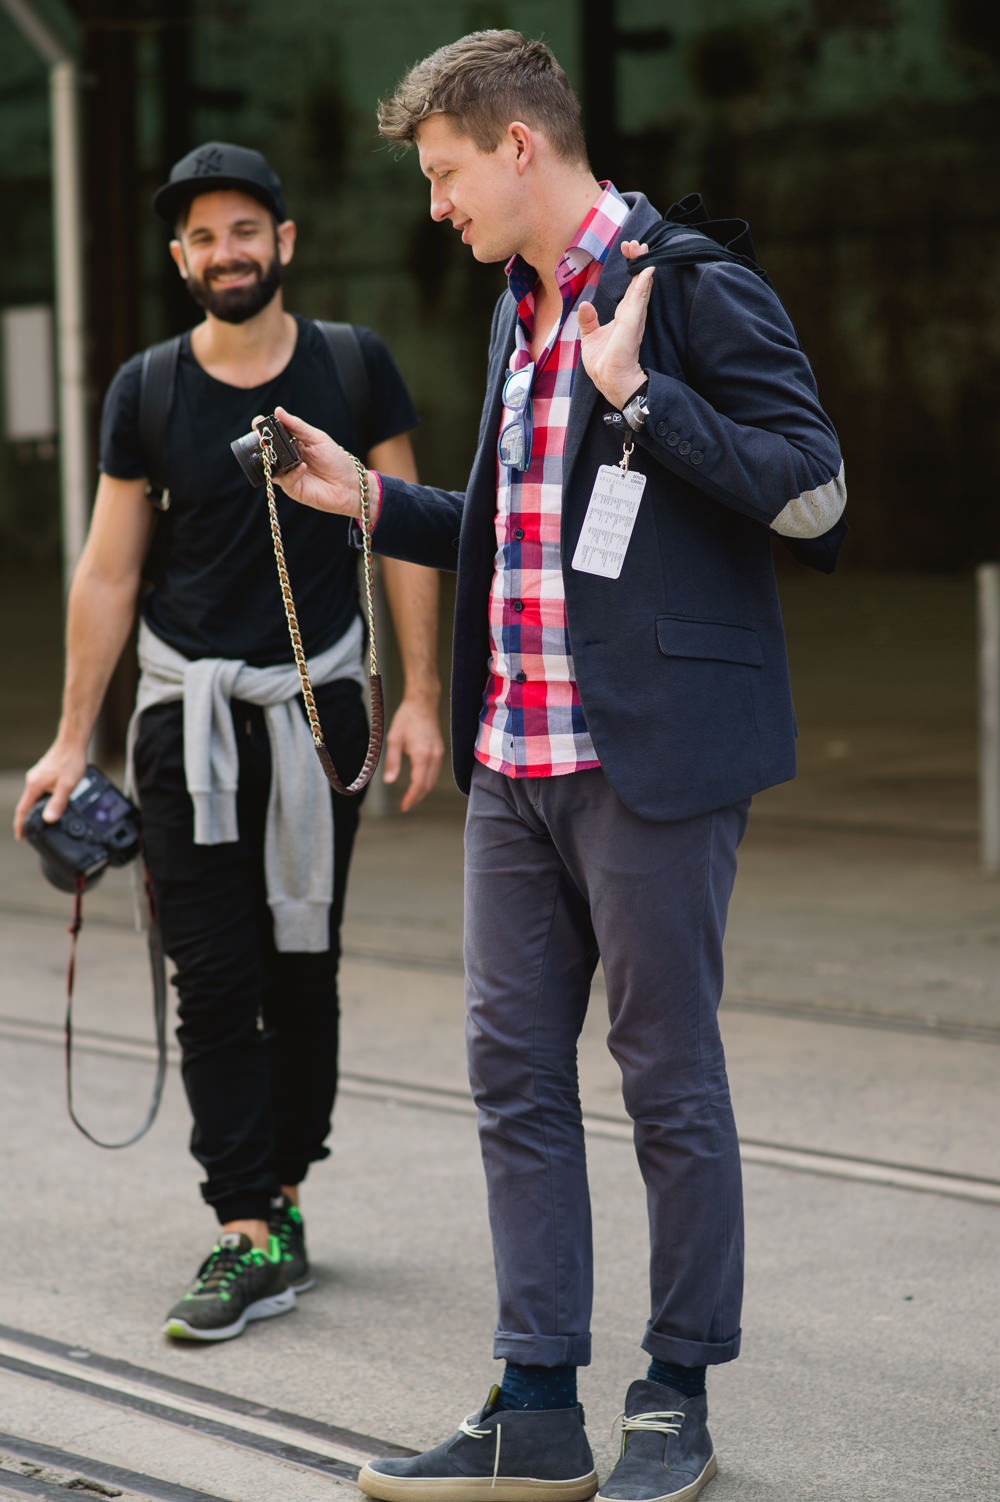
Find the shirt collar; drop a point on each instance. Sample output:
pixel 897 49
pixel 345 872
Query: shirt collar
pixel 591 242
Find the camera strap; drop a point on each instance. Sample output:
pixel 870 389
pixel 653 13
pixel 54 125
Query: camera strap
pixel 374 679
pixel 158 967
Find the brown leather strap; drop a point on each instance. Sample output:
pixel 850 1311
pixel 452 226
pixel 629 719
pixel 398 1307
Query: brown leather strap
pixel 374 746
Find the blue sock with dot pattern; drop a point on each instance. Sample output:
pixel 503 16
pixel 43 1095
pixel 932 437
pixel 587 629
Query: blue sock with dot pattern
pixel 689 1380
pixel 537 1387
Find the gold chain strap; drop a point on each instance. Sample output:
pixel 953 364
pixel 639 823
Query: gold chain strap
pixel 374 679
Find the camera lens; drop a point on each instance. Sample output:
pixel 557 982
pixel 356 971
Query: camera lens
pixel 247 453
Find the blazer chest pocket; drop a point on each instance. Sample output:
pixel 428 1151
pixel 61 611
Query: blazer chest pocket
pixel 713 641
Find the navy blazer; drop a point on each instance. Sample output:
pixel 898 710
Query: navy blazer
pixel 680 662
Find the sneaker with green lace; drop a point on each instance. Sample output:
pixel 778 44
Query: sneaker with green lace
pixel 288 1229
pixel 236 1283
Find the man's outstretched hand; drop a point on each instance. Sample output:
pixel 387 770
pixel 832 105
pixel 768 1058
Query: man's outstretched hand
pixel 327 478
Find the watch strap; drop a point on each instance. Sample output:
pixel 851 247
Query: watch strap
pixel 636 409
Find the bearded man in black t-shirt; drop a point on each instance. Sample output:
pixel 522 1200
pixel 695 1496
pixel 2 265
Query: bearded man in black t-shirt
pixel 247 846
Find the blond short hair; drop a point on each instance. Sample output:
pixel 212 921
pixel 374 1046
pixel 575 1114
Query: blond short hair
pixel 484 81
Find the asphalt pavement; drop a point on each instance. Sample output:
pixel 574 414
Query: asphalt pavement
pixel 862 1025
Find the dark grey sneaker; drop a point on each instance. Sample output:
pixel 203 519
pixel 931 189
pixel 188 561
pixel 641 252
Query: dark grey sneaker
pixel 235 1284
pixel 667 1455
pixel 497 1455
pixel 286 1225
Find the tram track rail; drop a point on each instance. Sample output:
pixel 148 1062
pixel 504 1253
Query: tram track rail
pixel 272 1433
pixel 47 1473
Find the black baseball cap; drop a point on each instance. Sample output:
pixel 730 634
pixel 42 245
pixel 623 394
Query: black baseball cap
pixel 217 165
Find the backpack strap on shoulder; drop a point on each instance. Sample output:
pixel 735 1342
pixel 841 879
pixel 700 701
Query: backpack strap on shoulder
pixel 345 350
pixel 156 392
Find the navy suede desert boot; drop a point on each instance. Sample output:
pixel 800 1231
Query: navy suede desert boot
pixel 667 1454
pixel 497 1455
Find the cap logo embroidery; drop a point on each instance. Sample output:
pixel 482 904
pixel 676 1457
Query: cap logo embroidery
pixel 207 162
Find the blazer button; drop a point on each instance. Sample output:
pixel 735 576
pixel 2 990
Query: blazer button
pixel 684 448
pixel 661 428
pixel 673 439
pixel 696 456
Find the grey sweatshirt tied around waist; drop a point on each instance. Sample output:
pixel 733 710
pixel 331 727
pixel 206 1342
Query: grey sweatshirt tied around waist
pixel 298 839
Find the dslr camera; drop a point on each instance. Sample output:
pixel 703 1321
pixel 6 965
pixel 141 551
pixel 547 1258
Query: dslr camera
pixel 99 828
pixel 248 454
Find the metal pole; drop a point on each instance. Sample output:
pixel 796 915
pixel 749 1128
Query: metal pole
pixel 74 445
pixel 988 596
pixel 37 31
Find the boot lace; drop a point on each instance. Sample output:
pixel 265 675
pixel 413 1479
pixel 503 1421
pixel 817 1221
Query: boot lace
pixel 658 1421
pixel 468 1427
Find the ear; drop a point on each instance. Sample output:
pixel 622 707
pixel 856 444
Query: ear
pixel 521 140
pixel 177 251
pixel 285 236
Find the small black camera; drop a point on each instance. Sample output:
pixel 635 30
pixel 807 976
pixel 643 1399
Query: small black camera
pixel 283 447
pixel 99 828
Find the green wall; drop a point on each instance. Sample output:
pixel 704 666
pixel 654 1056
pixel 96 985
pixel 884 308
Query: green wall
pixel 860 137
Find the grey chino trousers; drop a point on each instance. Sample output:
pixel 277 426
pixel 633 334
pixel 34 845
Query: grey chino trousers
pixel 558 874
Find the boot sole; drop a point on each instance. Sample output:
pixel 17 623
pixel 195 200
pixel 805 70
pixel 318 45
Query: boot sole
pixel 686 1494
pixel 278 1303
pixel 475 1488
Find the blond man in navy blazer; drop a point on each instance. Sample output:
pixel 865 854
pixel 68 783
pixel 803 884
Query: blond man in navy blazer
pixel 611 723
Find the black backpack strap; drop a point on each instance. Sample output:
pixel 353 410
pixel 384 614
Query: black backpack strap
pixel 672 243
pixel 685 236
pixel 345 350
pixel 156 392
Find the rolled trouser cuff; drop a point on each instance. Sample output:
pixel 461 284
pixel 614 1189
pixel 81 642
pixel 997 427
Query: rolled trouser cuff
pixel 690 1352
pixel 542 1350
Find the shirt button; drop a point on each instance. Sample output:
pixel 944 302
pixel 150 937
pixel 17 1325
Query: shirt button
pixel 673 439
pixel 520 677
pixel 684 448
pixel 696 456
pixel 518 604
pixel 519 533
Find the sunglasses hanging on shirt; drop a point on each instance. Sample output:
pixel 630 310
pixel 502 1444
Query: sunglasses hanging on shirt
pixel 514 443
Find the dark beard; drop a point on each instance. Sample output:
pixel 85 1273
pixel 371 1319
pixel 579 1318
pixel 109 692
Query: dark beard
pixel 237 304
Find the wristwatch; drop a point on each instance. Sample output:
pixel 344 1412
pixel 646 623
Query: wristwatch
pixel 636 409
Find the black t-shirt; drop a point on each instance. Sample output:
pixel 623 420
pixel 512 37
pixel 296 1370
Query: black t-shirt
pixel 215 591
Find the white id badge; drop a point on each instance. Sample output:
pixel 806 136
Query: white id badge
pixel 607 526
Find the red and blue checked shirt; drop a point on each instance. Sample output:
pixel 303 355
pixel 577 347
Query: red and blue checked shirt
pixel 532 722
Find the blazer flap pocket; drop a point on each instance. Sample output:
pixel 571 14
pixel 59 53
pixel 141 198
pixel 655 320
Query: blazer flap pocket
pixel 677 637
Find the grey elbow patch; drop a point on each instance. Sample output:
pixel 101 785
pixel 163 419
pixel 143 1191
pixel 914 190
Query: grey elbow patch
pixel 814 511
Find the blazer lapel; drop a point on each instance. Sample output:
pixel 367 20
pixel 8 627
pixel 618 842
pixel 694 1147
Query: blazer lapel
pixel 610 290
pixel 482 480
pixel 503 344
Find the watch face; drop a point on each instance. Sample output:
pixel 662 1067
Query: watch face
pixel 636 411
